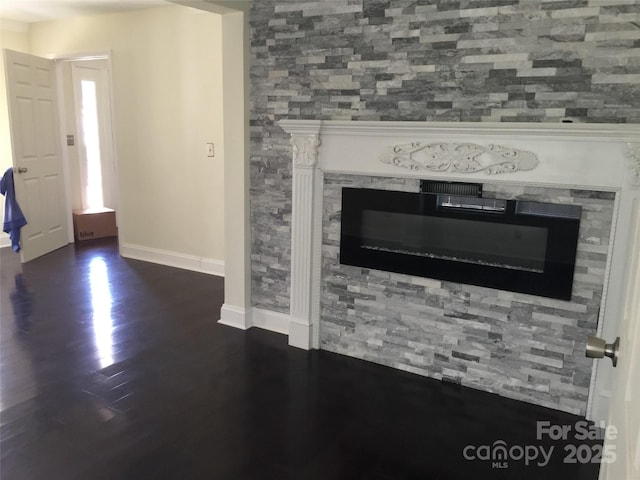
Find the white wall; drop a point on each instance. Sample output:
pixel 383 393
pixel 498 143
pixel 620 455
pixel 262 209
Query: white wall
pixel 13 36
pixel 236 310
pixel 237 302
pixel 167 84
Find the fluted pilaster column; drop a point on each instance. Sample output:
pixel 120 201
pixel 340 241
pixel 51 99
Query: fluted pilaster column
pixel 305 251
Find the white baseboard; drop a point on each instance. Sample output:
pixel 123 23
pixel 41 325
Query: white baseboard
pixel 300 335
pixel 212 267
pixel 234 317
pixel 173 259
pixel 265 319
pixel 5 241
pixel 272 321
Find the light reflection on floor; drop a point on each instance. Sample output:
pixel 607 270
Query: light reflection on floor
pixel 101 301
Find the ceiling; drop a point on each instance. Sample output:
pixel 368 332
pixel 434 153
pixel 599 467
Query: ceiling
pixel 29 11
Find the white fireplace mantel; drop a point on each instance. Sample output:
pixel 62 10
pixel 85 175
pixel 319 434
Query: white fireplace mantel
pixel 577 155
pixel 580 156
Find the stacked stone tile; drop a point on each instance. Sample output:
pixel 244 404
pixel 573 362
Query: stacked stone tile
pixel 520 346
pixel 462 60
pixel 435 60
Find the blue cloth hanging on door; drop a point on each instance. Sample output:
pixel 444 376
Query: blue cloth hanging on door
pixel 13 217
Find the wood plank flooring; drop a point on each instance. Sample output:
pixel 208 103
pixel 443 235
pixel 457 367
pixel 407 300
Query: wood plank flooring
pixel 116 369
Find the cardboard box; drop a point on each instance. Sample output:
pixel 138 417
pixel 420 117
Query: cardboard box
pixel 94 223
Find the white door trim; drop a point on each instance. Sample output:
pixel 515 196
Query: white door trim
pixel 62 121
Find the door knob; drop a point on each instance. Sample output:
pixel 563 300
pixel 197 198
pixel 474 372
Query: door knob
pixel 23 169
pixel 598 348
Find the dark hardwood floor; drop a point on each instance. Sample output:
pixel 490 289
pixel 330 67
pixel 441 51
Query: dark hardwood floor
pixel 117 369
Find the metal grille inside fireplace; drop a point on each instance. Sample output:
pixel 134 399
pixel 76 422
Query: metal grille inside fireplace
pixel 520 246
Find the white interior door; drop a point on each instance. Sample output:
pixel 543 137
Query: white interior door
pixel 625 403
pixel 37 159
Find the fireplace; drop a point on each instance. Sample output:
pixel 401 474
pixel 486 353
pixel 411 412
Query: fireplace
pixel 522 346
pixel 520 246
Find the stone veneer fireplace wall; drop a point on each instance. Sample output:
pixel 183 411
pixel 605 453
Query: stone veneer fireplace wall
pixel 435 60
pixel 485 60
pixel 519 346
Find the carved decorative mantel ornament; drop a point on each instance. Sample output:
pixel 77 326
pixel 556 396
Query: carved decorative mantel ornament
pixel 633 163
pixel 460 158
pixel 305 150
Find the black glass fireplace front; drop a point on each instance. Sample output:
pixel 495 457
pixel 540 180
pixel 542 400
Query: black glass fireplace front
pixel 521 246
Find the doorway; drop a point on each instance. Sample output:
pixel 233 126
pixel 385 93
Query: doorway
pixel 87 122
pixel 92 112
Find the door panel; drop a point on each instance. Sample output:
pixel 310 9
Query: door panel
pixel 48 141
pixel 25 134
pixel 42 77
pixel 35 140
pixel 53 204
pixel 32 204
